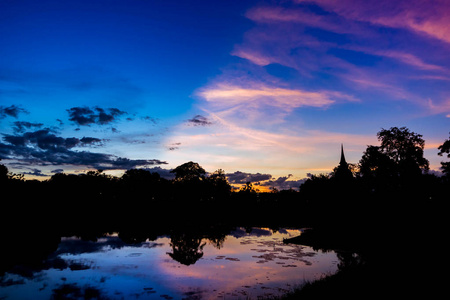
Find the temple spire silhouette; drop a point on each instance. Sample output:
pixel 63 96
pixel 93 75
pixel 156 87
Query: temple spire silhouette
pixel 343 171
pixel 343 162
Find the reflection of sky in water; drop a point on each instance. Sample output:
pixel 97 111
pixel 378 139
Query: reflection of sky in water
pixel 244 265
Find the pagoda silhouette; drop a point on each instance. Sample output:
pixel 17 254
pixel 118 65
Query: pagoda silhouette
pixel 342 171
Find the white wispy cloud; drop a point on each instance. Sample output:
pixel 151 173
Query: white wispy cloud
pixel 225 95
pixel 255 103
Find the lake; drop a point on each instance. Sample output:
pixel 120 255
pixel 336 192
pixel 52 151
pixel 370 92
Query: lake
pixel 244 263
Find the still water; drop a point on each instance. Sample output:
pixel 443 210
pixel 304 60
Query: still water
pixel 244 264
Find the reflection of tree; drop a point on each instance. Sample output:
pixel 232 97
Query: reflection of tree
pixel 217 241
pixel 348 260
pixel 187 249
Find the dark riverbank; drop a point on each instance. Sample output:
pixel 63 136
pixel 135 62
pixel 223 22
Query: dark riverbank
pixel 395 252
pixel 397 258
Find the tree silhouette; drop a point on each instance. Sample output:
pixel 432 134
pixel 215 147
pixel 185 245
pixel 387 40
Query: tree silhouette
pixel 189 171
pixel 218 185
pixel 445 149
pixel 397 162
pixel 405 148
pixel 3 173
pixel 377 168
pixel 218 177
pixel 248 189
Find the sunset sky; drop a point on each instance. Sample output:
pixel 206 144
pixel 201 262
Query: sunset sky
pixel 266 90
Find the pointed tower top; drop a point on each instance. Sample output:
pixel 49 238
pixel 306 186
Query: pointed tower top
pixel 343 171
pixel 343 161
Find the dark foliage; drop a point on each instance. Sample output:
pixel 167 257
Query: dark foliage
pixel 445 149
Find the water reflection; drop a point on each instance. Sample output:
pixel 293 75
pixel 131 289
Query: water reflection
pixel 241 263
pixel 186 249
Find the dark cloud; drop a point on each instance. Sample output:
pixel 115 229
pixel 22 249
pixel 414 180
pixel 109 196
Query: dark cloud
pixel 282 183
pixel 109 115
pixel 254 231
pixel 91 141
pixel 21 126
pixel 241 177
pixel 174 146
pixel 258 179
pixel 81 115
pixel 44 139
pixel 44 147
pixel 199 120
pixel 11 111
pixel 164 173
pixel 85 116
pixel 35 172
pixel 126 164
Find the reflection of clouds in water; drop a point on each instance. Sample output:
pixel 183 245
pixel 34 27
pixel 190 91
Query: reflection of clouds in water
pixel 74 245
pixel 73 291
pixel 65 258
pixel 280 254
pixel 250 262
pixel 242 232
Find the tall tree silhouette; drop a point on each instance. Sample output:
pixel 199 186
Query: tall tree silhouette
pixel 445 149
pixel 218 185
pixel 189 183
pixel 405 148
pixel 397 162
pixel 3 173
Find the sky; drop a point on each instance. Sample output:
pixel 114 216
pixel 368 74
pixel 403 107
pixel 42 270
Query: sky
pixel 265 90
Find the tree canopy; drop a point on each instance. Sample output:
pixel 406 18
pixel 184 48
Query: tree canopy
pixel 400 154
pixel 445 149
pixel 189 171
pixel 404 147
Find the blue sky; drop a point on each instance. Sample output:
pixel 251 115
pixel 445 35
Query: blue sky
pixel 253 87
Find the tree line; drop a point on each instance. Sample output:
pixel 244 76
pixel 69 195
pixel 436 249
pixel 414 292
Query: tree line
pixel 392 174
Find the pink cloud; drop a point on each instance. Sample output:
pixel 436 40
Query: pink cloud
pixel 255 103
pixel 280 38
pixel 255 57
pixel 271 14
pixel 261 94
pixel 430 17
pixel 442 107
pixel 403 57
